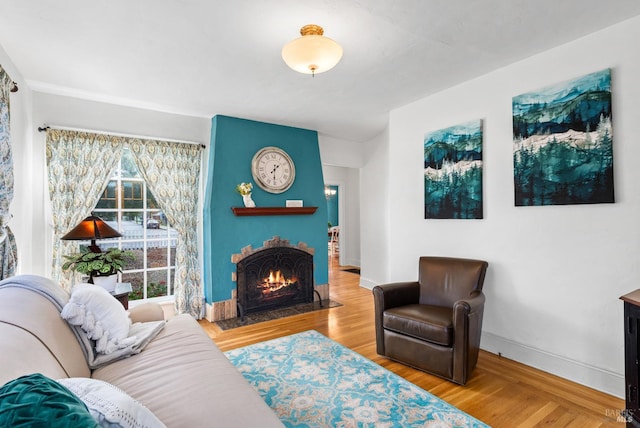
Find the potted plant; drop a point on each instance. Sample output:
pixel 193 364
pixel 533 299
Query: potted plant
pixel 99 266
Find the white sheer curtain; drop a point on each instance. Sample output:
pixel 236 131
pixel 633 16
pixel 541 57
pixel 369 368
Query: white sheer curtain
pixel 172 171
pixel 79 166
pixel 8 248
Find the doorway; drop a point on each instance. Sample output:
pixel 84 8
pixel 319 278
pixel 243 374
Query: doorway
pixel 334 196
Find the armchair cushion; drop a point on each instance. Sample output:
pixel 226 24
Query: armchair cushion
pixel 430 323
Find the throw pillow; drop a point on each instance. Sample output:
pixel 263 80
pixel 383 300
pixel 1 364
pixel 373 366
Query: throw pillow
pixel 37 401
pixel 101 316
pixel 109 405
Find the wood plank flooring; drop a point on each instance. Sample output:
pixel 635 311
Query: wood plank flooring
pixel 501 392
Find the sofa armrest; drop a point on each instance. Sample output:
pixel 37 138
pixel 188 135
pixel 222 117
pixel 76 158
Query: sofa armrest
pixel 145 312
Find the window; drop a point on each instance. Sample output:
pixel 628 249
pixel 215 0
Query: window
pixel 129 207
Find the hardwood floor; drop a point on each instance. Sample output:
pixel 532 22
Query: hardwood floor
pixel 501 392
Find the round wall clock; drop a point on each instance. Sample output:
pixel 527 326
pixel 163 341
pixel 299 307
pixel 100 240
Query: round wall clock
pixel 273 169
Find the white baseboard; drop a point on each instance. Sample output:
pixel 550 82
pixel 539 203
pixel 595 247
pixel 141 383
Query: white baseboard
pixel 366 283
pixel 208 312
pixel 594 377
pixel 352 262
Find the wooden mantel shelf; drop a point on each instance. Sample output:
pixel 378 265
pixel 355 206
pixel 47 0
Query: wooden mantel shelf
pixel 242 211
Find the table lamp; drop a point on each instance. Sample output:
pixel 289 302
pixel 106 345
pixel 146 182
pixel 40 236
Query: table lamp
pixel 91 228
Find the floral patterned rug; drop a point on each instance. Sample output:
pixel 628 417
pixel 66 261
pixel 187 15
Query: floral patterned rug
pixel 311 381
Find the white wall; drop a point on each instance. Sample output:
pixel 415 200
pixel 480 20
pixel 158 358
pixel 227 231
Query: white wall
pixel 338 152
pixel 71 112
pixel 375 208
pixel 555 272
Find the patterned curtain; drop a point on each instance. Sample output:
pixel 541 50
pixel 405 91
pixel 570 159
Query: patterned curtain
pixel 171 171
pixel 8 249
pixel 79 165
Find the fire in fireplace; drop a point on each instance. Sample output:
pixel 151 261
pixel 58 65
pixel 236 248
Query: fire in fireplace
pixel 276 283
pixel 274 277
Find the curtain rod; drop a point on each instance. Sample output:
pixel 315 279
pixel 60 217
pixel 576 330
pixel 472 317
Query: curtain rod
pixel 43 128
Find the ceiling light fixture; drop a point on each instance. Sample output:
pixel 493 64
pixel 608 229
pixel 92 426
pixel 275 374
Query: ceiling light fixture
pixel 329 192
pixel 312 53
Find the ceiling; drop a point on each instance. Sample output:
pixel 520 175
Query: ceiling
pixel 208 57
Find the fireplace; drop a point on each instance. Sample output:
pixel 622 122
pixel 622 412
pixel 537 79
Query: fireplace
pixel 274 277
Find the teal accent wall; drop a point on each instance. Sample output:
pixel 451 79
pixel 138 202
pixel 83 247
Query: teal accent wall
pixel 233 143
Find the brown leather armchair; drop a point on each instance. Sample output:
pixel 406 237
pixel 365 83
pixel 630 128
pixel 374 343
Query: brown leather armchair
pixel 434 324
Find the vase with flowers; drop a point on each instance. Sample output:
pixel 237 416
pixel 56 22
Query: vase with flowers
pixel 245 190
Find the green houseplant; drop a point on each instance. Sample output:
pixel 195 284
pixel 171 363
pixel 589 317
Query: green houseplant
pixel 106 263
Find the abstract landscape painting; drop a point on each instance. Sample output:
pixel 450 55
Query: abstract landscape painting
pixel 453 172
pixel 563 143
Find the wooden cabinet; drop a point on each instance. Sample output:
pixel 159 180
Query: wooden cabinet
pixel 632 358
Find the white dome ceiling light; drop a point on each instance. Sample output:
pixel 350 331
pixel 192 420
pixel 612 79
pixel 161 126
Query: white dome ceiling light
pixel 312 53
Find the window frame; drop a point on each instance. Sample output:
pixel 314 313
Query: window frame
pixel 146 213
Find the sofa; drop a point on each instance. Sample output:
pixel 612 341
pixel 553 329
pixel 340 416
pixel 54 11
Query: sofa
pixel 180 375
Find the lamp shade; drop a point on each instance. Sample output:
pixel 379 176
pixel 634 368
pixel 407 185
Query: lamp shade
pixel 312 53
pixel 91 228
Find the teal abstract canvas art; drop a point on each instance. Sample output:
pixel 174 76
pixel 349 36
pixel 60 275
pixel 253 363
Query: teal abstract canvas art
pixel 453 172
pixel 563 143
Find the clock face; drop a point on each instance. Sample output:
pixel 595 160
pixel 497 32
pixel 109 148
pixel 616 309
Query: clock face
pixel 273 169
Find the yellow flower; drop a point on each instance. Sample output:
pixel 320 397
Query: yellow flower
pixel 244 188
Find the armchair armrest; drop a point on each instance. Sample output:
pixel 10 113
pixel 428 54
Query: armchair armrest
pixel 396 294
pixel 467 325
pixel 464 307
pixel 388 296
pixel 146 312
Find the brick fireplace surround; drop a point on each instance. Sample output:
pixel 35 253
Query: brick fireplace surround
pixel 227 309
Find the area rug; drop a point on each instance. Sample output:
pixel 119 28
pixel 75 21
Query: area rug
pixel 311 381
pixel 352 270
pixel 275 314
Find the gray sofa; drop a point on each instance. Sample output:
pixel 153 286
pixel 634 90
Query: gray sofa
pixel 181 376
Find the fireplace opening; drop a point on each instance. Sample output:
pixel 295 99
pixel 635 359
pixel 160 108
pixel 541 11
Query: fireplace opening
pixel 274 278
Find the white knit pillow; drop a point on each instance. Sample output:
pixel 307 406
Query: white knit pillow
pixel 100 315
pixel 110 406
